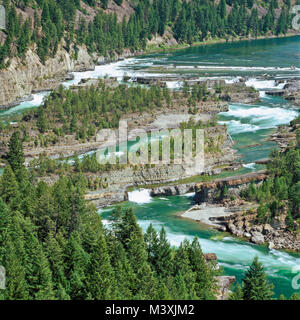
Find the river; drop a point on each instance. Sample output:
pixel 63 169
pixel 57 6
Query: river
pixel 247 124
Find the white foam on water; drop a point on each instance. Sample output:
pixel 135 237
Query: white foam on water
pixel 105 209
pixel 262 94
pixel 144 224
pixel 252 119
pixel 232 80
pixel 260 84
pixel 117 69
pixel 275 116
pixel 281 85
pixel 249 166
pixel 114 69
pixel 235 266
pixel 236 126
pixel 190 194
pixel 38 98
pixel 274 261
pixel 187 67
pixel 174 84
pixel 106 222
pixel 140 196
pixel 35 102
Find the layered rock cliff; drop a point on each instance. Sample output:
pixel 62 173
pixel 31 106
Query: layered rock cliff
pixel 210 191
pixel 22 78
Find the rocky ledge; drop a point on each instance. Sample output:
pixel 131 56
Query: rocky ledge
pixel 223 283
pixel 212 192
pixel 285 135
pixel 276 234
pixel 29 75
pixel 292 91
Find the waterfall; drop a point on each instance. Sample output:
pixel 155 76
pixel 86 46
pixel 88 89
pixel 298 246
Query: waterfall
pixel 140 196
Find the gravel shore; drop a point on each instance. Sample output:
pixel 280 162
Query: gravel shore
pixel 202 213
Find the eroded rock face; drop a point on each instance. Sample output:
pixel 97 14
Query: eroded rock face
pixel 20 79
pixel 276 235
pixel 224 283
pixel 210 257
pixel 210 191
pixel 173 190
pixel 292 91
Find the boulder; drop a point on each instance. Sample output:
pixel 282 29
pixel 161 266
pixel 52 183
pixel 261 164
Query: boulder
pixel 257 237
pixel 210 257
pixel 271 245
pixel 267 229
pixel 258 229
pixel 240 224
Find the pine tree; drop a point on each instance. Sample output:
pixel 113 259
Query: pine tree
pixel 12 254
pixel 182 266
pixel 255 283
pixel 204 285
pixel 237 293
pixel 55 255
pixel 38 274
pixel 163 256
pixel 222 9
pixel 180 291
pixel 75 264
pixel 9 185
pixel 151 241
pixel 15 155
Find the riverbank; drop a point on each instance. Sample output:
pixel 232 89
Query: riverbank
pixel 150 49
pixel 18 82
pixel 204 214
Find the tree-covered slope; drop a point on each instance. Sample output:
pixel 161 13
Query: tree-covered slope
pixel 53 245
pixel 107 26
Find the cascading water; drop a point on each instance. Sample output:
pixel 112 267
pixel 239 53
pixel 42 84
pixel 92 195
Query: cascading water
pixel 140 196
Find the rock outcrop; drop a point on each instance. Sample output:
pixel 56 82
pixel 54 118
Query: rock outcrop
pixel 224 283
pixel 212 191
pixel 276 234
pixel 292 91
pixel 285 135
pixel 22 78
pixel 30 75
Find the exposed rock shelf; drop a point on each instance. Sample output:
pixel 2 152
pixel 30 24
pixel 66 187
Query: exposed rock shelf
pixel 276 235
pixel 210 191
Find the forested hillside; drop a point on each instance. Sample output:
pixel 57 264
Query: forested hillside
pixel 45 23
pixel 280 195
pixel 54 246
